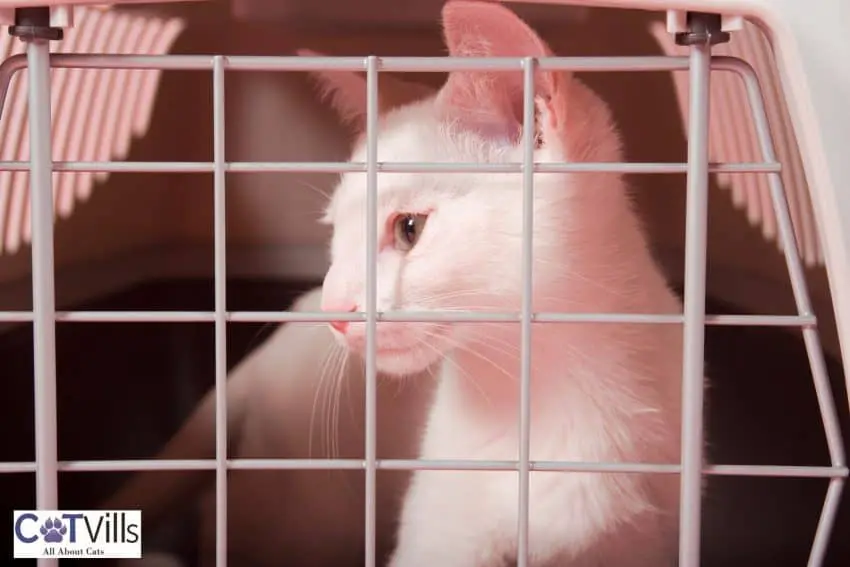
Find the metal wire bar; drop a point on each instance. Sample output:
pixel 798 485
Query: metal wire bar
pixel 826 403
pixel 775 471
pixel 220 276
pixel 693 331
pixel 826 521
pixel 528 139
pixel 393 167
pixel 371 304
pixel 796 272
pixel 407 316
pixel 499 317
pixel 309 63
pixel 43 300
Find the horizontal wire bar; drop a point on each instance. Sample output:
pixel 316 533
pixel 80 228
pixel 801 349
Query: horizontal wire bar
pixel 777 471
pixel 762 320
pixel 297 464
pixel 118 166
pixel 407 317
pixel 393 64
pixel 395 167
pixel 553 466
pixel 16 317
pixel 135 316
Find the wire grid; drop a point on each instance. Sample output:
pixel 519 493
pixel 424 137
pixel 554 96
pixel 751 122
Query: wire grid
pixel 691 468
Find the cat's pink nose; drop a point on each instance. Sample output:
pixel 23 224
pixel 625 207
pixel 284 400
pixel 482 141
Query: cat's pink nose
pixel 341 326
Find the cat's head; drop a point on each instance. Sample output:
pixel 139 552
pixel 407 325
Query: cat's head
pixel 447 241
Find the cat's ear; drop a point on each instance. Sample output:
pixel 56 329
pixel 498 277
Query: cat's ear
pixel 490 102
pixel 346 92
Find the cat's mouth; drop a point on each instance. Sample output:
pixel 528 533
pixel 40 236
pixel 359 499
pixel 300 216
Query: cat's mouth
pixel 391 351
pixel 407 354
pixel 388 351
pixel 405 361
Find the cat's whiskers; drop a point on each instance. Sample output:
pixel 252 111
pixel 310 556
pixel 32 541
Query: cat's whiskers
pixel 329 352
pixel 328 402
pixel 342 373
pixel 324 194
pixel 461 346
pixel 568 277
pixel 512 349
pixel 334 403
pixel 454 294
pixel 497 344
pixel 327 394
pixel 489 339
pixel 483 309
pixel 330 377
pixel 461 371
pixel 465 307
pixel 563 276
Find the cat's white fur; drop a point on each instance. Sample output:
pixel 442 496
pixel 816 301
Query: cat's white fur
pixel 599 392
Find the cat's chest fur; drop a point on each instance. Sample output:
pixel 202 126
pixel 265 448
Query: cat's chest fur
pixel 621 413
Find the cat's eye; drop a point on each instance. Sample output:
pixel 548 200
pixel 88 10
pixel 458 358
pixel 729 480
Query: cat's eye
pixel 406 230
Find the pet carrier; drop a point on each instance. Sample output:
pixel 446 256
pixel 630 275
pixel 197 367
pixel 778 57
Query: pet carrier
pixel 120 150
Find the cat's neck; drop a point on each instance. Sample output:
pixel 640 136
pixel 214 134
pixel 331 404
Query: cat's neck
pixel 489 370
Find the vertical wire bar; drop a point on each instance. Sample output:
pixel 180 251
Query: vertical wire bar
pixel 825 522
pixel 528 131
pixel 694 306
pixel 799 289
pixel 220 275
pixel 823 390
pixel 43 299
pixel 371 299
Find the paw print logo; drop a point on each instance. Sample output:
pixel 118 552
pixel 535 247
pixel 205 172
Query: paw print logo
pixel 53 530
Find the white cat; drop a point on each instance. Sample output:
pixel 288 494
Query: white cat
pixel 599 392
